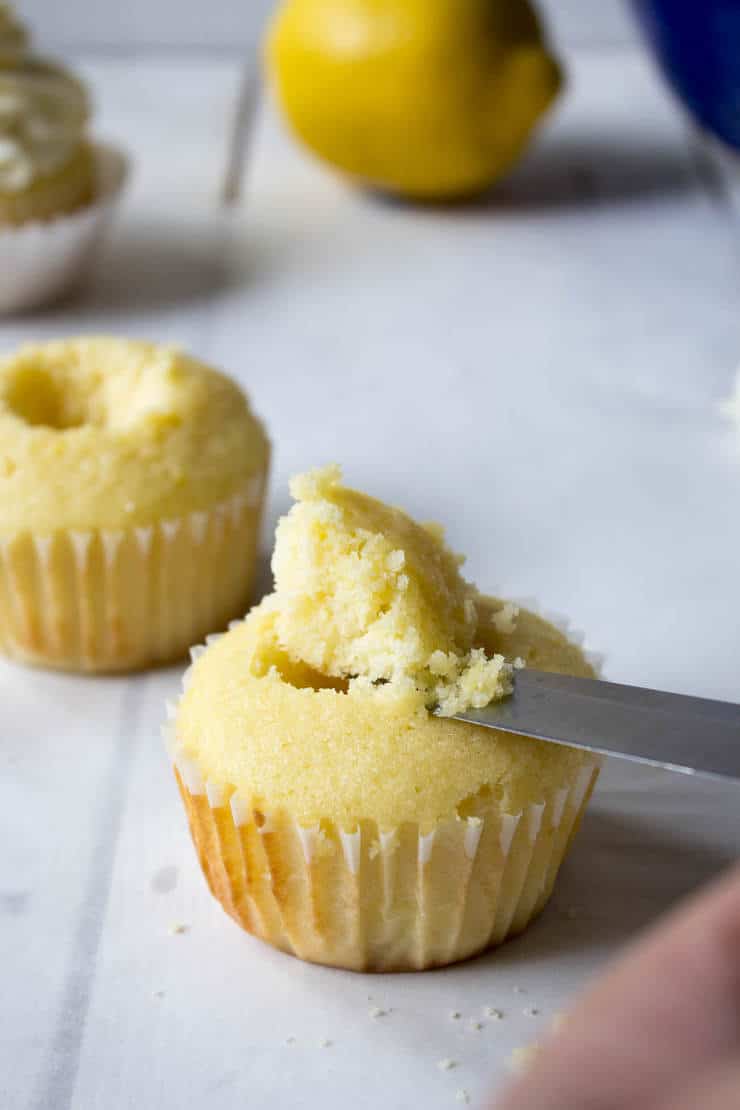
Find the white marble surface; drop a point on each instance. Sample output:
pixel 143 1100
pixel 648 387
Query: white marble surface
pixel 543 373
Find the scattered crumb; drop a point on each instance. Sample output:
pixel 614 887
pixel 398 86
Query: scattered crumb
pixel 462 1096
pixel 157 994
pixel 446 1064
pixel 369 998
pixel 455 1015
pixel 531 1011
pixel 290 1040
pixel 327 1044
pixel 492 1012
pixel 519 990
pixel 475 1026
pixel 376 1012
pixel 178 929
pixel 521 1058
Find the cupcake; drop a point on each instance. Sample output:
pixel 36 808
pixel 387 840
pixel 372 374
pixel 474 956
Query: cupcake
pixel 57 188
pixel 334 815
pixel 131 488
pixel 46 161
pixel 13 36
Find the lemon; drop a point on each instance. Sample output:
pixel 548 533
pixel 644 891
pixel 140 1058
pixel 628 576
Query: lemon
pixel 431 99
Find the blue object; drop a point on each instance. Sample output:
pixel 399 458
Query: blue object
pixel 697 43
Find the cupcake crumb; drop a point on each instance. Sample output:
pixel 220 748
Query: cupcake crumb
pixel 290 1040
pixel 519 990
pixel 522 1057
pixel 475 1026
pixel 157 994
pixel 377 1012
pixel 327 1044
pixel 492 1012
pixel 178 929
pixel 446 1064
pixel 455 1015
pixel 531 1011
pixel 462 1096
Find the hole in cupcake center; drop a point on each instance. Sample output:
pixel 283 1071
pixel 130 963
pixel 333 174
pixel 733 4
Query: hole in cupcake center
pixel 41 399
pixel 299 675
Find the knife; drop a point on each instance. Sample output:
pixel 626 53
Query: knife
pixel 696 736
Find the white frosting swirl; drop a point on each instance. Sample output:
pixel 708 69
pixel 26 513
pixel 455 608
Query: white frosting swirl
pixel 43 112
pixel 13 36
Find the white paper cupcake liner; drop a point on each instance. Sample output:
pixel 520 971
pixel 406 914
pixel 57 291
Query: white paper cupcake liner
pixel 110 600
pixel 372 898
pixel 40 261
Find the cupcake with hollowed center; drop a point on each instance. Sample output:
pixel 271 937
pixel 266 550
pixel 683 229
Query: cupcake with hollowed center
pixel 334 814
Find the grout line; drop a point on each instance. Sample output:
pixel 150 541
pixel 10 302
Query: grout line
pixel 59 1077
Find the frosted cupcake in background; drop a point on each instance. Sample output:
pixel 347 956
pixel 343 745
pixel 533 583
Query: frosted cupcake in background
pixel 46 162
pixel 56 186
pixel 13 36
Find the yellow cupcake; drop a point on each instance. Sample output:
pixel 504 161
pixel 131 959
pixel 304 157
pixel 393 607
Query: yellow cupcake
pixel 46 163
pixel 334 817
pixel 131 489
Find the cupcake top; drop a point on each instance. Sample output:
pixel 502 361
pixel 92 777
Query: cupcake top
pixel 287 737
pixel 97 431
pixel 361 589
pixel 318 702
pixel 44 111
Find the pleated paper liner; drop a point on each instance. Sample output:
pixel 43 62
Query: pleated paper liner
pixel 376 899
pixel 118 600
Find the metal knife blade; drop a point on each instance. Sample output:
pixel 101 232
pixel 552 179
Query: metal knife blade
pixel 696 736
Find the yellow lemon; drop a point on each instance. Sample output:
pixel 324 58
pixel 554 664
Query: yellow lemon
pixel 432 99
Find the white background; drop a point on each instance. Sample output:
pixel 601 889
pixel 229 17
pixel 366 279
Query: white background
pixel 227 23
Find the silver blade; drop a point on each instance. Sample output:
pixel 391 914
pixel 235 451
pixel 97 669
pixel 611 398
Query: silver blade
pixel 692 735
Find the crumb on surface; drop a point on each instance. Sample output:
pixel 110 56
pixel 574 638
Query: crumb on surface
pixel 178 928
pixel 475 1026
pixel 531 1011
pixel 158 994
pixel 378 1012
pixel 447 1064
pixel 455 1015
pixel 522 1057
pixel 462 1096
pixel 290 1040
pixel 492 1012
pixel 327 1044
